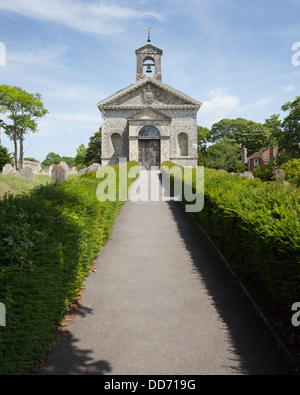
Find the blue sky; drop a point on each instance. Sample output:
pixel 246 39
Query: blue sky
pixel 234 56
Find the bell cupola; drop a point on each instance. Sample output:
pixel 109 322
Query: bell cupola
pixel 148 61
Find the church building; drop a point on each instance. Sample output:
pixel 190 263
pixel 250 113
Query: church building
pixel 149 121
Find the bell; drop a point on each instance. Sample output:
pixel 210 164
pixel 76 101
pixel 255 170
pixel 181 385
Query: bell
pixel 149 70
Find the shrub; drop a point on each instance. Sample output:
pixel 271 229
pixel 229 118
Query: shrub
pixel 257 226
pixel 292 171
pixel 48 240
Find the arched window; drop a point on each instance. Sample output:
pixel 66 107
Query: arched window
pixel 183 144
pixel 149 131
pixel 117 144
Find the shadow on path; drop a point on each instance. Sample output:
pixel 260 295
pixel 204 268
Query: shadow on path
pixel 68 359
pixel 250 338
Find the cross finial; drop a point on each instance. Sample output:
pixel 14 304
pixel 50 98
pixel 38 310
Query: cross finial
pixel 148 31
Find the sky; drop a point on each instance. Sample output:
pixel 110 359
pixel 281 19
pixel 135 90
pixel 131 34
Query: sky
pixel 239 58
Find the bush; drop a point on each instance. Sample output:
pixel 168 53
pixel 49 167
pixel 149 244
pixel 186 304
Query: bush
pixel 257 226
pixel 292 171
pixel 48 240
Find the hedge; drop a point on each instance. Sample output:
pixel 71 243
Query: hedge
pixel 256 224
pixel 48 240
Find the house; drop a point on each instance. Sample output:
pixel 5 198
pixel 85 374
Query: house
pixel 262 157
pixel 149 121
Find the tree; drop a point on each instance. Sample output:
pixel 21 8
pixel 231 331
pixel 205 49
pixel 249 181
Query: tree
pixel 80 161
pixel 290 140
pixel 93 153
pixel 69 160
pixel 51 159
pixel 225 155
pixel 243 132
pixel 22 109
pixel 5 157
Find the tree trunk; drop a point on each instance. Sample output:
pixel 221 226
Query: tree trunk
pixel 16 151
pixel 21 150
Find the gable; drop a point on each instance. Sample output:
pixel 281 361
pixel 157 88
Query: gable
pixel 149 114
pixel 148 91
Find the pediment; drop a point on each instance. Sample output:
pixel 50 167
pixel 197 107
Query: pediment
pixel 149 114
pixel 148 92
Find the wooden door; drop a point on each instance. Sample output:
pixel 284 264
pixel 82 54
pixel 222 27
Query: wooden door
pixel 149 153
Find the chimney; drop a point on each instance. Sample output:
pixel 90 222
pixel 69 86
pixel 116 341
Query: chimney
pixel 244 155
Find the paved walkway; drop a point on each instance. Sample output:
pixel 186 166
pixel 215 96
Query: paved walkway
pixel 162 303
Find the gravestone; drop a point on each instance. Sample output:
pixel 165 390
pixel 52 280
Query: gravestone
pixel 7 169
pixel 94 166
pixel 27 172
pixel 65 167
pixel 58 173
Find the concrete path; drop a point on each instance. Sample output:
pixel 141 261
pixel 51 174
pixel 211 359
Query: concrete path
pixel 162 303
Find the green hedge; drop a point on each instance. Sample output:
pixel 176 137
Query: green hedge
pixel 257 225
pixel 48 240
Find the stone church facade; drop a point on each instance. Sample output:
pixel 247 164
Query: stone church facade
pixel 149 121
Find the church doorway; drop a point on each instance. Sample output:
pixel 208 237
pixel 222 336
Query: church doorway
pixel 149 153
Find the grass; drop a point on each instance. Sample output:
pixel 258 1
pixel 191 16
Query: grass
pixel 17 185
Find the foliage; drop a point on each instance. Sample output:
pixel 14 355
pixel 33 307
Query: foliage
pixel 243 132
pixel 290 140
pixel 52 158
pixel 93 153
pixel 22 110
pixel 256 224
pixel 5 157
pixel 80 160
pixel 48 240
pixel 292 171
pixel 225 155
pixel 280 171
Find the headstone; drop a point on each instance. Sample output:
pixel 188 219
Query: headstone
pixel 73 170
pixel 50 170
pixel 82 171
pixel 7 169
pixel 94 166
pixel 248 174
pixel 58 173
pixel 65 167
pixel 27 172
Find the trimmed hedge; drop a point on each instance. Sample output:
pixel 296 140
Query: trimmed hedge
pixel 257 225
pixel 48 240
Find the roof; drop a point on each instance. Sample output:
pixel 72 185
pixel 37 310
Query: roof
pixel 145 81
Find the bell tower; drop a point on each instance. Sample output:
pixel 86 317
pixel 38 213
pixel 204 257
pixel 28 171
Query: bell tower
pixel 148 61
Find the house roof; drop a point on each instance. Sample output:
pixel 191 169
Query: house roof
pixel 147 80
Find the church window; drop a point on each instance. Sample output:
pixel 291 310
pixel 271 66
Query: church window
pixel 117 143
pixel 182 140
pixel 149 131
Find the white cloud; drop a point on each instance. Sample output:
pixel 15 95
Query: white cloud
pixel 91 17
pixel 289 88
pixel 262 102
pixel 221 104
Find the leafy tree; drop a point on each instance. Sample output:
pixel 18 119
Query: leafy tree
pixel 70 161
pixel 80 161
pixel 243 132
pixel 22 110
pixel 93 153
pixel 225 155
pixel 290 140
pixel 5 157
pixel 51 159
pixel 274 126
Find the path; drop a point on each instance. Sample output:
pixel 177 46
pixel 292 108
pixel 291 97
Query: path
pixel 162 303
